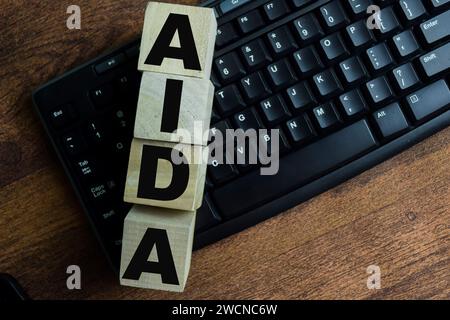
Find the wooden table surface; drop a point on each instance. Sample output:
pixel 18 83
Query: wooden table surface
pixel 395 216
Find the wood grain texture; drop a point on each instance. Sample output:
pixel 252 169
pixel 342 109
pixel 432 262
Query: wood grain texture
pixel 194 118
pixel 192 196
pixel 179 229
pixel 395 215
pixel 204 28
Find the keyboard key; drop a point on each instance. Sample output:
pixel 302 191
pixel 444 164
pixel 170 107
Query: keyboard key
pixel 436 4
pixel 221 172
pixel 390 120
pixel 307 60
pixel 326 116
pixel 103 96
pixel 207 217
pixel 62 116
pixel 227 6
pixel 86 168
pixel 436 28
pixel 226 33
pixel 353 103
pixel 412 9
pixel 333 15
pixel 74 143
pixel 95 132
pixel 309 162
pixel 247 119
pixel 379 57
pixel 300 96
pixel 275 9
pixel 300 3
pixel 250 21
pixel 333 47
pixel 254 87
pixel 327 83
pixel 255 54
pixel 229 100
pixel 300 129
pixel 429 100
pixel 405 77
pixel 359 7
pixel 308 28
pixel 436 61
pixel 358 34
pixel 274 110
pixel 406 44
pixel 352 69
pixel 109 64
pixel 281 74
pixel 229 67
pixel 379 90
pixel 388 21
pixel 281 41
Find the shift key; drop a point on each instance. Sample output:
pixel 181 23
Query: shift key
pixel 429 100
pixel 436 28
pixel 436 61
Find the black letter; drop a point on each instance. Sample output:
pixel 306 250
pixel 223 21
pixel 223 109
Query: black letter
pixel 187 51
pixel 171 107
pixel 165 265
pixel 147 176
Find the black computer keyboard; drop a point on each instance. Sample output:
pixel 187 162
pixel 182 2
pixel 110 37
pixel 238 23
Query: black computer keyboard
pixel 344 97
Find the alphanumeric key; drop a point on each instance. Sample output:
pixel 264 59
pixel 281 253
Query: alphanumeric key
pixel 300 129
pixel 359 34
pixel 229 67
pixel 405 77
pixel 226 33
pixel 353 70
pixel 281 41
pixel 307 60
pixel 308 28
pixel 300 96
pixel 274 110
pixel 276 9
pixel 221 172
pixel 95 132
pixel 379 90
pixel 255 87
pixel 391 120
pixel 333 15
pixel 281 74
pixel 229 99
pixel 379 57
pixel 388 22
pixel 359 7
pixel 406 44
pixel 333 47
pixel 250 21
pixel 412 9
pixel 247 119
pixel 353 103
pixel 74 143
pixel 327 83
pixel 255 54
pixel 326 116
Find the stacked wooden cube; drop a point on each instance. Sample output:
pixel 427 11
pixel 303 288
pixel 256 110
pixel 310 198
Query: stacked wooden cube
pixel 163 180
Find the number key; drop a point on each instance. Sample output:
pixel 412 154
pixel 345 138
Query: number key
pixel 229 67
pixel 255 54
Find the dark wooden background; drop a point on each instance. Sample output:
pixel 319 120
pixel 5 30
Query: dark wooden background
pixel 395 216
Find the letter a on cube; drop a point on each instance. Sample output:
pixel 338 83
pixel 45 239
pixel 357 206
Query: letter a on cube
pixel 166 175
pixel 174 108
pixel 178 39
pixel 157 248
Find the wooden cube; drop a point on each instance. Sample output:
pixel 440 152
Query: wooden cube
pixel 157 248
pixel 178 39
pixel 154 180
pixel 168 103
